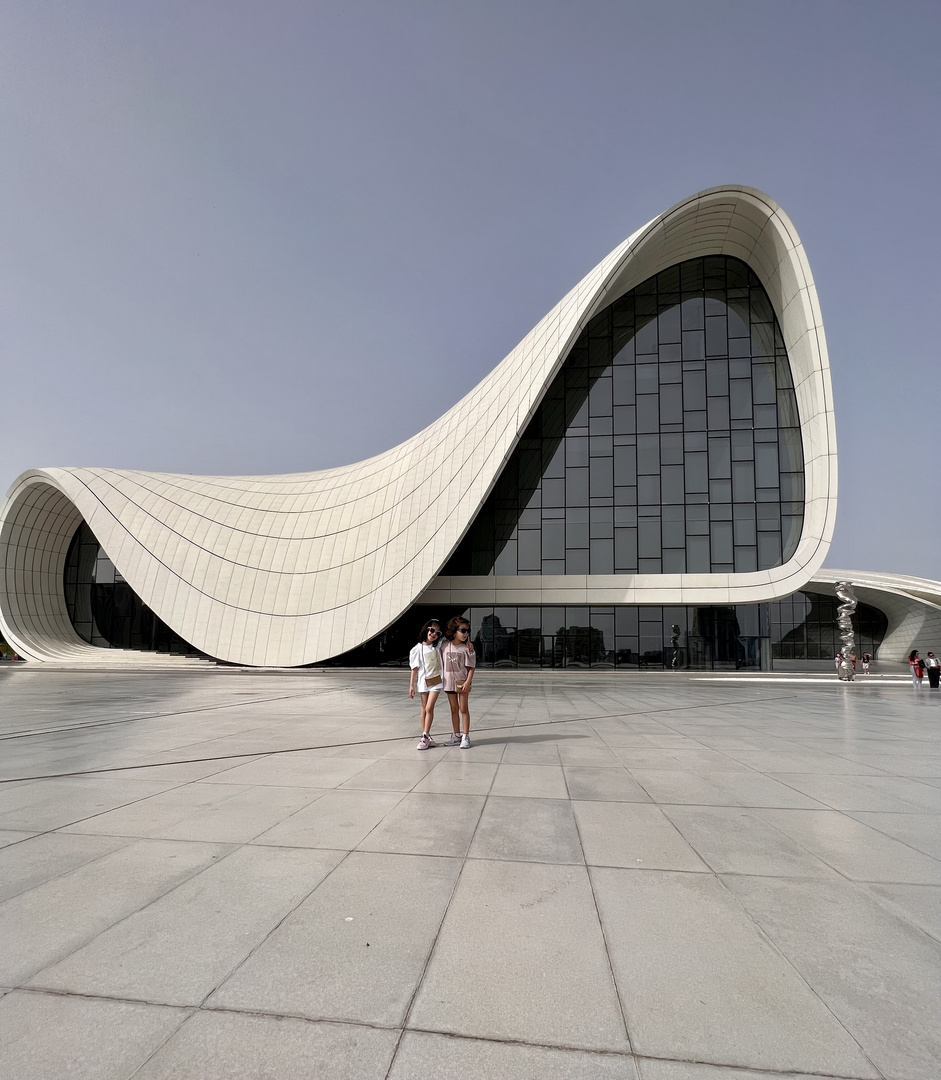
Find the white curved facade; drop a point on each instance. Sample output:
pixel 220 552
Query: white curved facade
pixel 911 605
pixel 291 570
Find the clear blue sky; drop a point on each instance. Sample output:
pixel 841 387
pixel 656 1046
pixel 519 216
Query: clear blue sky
pixel 271 237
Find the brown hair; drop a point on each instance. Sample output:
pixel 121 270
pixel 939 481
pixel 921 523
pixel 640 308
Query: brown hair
pixel 454 625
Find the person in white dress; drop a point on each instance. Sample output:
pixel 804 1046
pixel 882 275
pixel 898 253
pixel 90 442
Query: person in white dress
pixel 425 663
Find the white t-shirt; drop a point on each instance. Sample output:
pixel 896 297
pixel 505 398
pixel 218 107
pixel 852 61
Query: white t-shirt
pixel 426 660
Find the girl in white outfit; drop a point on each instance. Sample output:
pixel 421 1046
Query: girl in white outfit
pixel 425 662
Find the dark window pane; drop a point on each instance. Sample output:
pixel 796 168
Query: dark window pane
pixel 716 336
pixel 740 405
pixel 553 539
pixel 766 464
pixel 599 398
pixel 648 538
pixel 601 477
pixel 648 454
pixel 625 550
pixel 693 313
pixel 721 537
pixel 576 534
pixel 743 481
pixel 671 449
pixel 697 475
pixel 648 412
pixel 697 554
pixel 718 414
pixel 694 345
pixel 694 391
pixel 529 550
pixel 763 388
pixel 674 561
pixel 671 404
pixel 671 484
pixel 669 325
pixel 742 446
pixel 648 378
pixel 576 451
pixel 648 490
pixel 645 340
pixel 602 556
pixel 623 385
pixel 576 487
pixel 576 562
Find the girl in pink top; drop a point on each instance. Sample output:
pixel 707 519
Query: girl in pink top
pixel 458 663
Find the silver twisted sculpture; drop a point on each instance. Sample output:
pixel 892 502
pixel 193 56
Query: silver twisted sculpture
pixel 844 619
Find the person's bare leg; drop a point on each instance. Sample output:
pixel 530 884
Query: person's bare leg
pixel 428 700
pixel 455 713
pixel 465 713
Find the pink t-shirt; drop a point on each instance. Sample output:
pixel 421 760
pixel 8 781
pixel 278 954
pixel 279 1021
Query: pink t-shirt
pixel 455 660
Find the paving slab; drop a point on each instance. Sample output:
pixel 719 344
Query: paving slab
pixel 230 1046
pixel 168 953
pixel 306 768
pixel 530 781
pixel 46 1036
pixel 47 856
pixel 48 922
pixel 337 819
pixel 835 934
pixel 355 949
pixel 699 981
pixel 533 830
pixel 603 784
pixel 395 774
pixel 531 924
pixel 854 849
pixel 734 840
pixel 427 824
pixel 633 835
pixel 459 777
pixel 150 817
pixel 52 804
pixel 918 904
pixel 687 1070
pixel 424 1056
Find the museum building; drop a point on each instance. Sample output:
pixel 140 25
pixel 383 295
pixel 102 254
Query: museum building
pixel 647 480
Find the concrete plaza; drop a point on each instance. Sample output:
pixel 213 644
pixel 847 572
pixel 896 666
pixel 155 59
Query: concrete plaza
pixel 232 875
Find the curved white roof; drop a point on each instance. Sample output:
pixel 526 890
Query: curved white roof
pixel 290 570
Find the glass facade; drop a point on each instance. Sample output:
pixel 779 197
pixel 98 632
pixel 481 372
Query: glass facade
pixel 104 609
pixel 668 443
pixel 801 627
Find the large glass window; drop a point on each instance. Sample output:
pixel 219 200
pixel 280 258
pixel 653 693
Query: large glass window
pixel 800 627
pixel 668 443
pixel 104 609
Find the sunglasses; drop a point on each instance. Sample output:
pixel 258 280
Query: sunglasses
pixel 462 630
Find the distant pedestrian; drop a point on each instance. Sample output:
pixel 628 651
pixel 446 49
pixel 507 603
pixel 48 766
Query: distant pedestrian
pixel 917 666
pixel 852 659
pixel 425 663
pixel 933 666
pixel 867 660
pixel 838 659
pixel 460 661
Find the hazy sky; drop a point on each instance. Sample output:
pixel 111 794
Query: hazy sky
pixel 270 237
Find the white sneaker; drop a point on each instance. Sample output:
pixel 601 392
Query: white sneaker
pixel 465 742
pixel 455 739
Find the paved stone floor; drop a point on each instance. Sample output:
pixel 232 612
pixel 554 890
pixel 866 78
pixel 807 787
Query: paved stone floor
pixel 226 875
